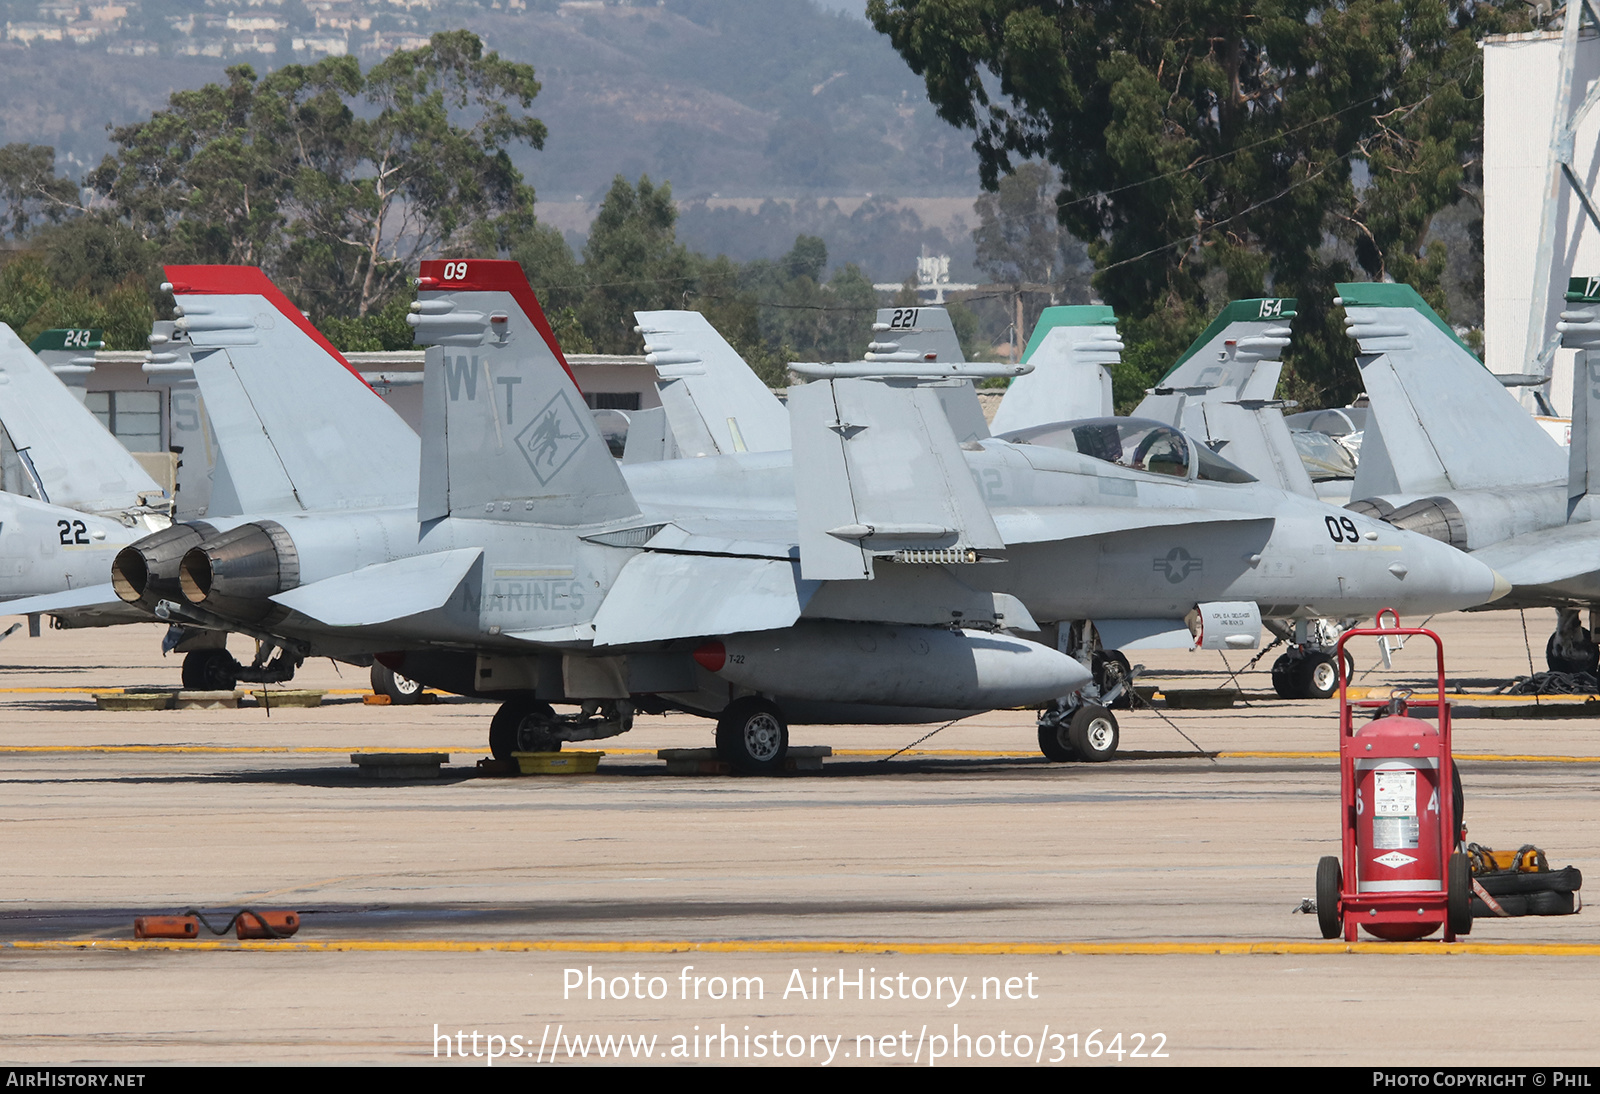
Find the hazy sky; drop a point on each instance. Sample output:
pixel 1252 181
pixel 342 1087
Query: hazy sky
pixel 843 5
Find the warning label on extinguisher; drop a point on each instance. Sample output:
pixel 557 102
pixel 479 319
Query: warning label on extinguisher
pixel 1394 809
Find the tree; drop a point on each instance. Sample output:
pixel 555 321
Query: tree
pixel 30 189
pixel 1020 242
pixel 335 181
pixel 1206 146
pixel 632 262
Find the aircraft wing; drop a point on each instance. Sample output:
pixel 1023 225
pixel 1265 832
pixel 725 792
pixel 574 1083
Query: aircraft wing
pixel 384 592
pixel 662 596
pixel 1545 557
pixel 1045 525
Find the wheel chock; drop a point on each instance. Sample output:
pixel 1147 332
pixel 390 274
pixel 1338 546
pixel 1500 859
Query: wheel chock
pixel 166 926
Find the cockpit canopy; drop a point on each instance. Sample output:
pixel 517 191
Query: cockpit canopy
pixel 1136 443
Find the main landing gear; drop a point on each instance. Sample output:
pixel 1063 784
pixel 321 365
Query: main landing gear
pixel 526 724
pixel 218 670
pixel 400 689
pixel 1308 670
pixel 753 736
pixel 1572 648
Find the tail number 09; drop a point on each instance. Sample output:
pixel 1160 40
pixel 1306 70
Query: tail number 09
pixel 455 271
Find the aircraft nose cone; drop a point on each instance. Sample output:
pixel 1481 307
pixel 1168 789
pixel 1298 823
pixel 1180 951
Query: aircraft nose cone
pixel 1446 578
pixel 1501 587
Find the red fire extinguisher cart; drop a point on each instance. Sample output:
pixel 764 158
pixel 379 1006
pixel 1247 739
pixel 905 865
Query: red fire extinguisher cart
pixel 1401 876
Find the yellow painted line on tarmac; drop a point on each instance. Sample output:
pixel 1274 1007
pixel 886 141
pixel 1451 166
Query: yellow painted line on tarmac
pixel 140 690
pixel 951 949
pixel 1466 757
pixel 346 749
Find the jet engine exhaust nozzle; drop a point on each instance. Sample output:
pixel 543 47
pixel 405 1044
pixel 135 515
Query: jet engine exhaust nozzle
pixel 235 573
pixel 146 572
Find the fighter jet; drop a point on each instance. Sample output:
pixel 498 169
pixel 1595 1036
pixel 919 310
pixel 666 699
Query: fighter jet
pixel 530 567
pixel 1448 452
pixel 1072 350
pixel 89 497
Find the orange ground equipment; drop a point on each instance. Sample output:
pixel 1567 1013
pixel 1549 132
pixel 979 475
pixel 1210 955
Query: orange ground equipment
pixel 1402 875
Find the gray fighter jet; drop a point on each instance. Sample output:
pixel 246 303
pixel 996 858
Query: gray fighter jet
pixel 1072 349
pixel 1448 452
pixel 89 497
pixel 884 583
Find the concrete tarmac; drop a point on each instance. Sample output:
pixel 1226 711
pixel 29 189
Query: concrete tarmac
pixel 1139 912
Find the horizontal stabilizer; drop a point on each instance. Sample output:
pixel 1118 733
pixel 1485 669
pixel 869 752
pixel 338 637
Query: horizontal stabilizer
pixel 661 596
pixel 1072 351
pixel 1032 525
pixel 91 600
pixel 1546 557
pixel 385 592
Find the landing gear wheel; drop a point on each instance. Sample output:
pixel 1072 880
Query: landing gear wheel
pixel 400 690
pixel 1053 740
pixel 1111 668
pixel 1283 677
pixel 210 670
pixel 753 737
pixel 1587 661
pixel 1318 676
pixel 1309 675
pixel 522 725
pixel 1458 895
pixel 1093 733
pixel 1330 882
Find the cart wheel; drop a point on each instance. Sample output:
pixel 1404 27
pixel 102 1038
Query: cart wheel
pixel 1458 898
pixel 1330 882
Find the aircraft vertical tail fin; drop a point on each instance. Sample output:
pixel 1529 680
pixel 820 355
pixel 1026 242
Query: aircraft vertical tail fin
pixel 67 456
pixel 714 403
pixel 1447 423
pixel 885 476
pixel 927 334
pixel 507 434
pixel 1072 351
pixel 1580 330
pixel 297 425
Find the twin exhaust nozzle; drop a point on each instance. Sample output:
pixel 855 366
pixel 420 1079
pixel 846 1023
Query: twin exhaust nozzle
pixel 232 574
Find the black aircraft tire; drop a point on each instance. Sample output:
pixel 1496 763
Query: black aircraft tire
pixel 210 670
pixel 753 736
pixel 1458 894
pixel 1589 662
pixel 1054 744
pixel 1093 733
pixel 1317 676
pixel 1285 681
pixel 400 689
pixel 1330 882
pixel 511 729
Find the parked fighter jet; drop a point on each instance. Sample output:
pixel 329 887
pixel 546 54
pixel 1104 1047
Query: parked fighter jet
pixel 1449 453
pixel 90 496
pixel 531 568
pixel 1220 392
pixel 1079 345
